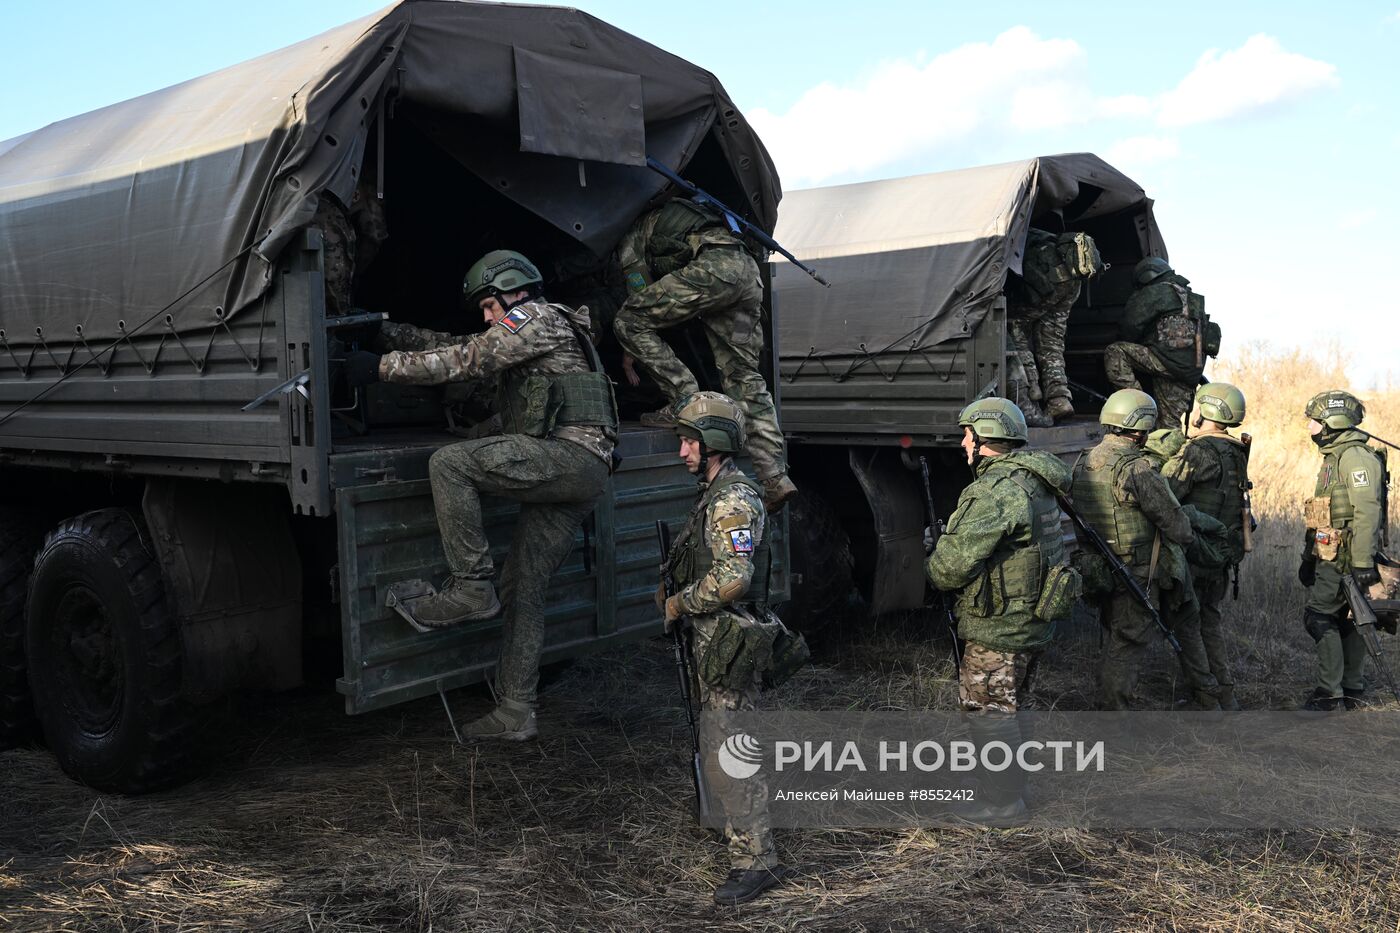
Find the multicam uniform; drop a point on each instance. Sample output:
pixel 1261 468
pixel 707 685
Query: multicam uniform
pixel 1120 494
pixel 1344 520
pixel 720 562
pixel 1001 542
pixel 560 425
pixel 681 262
pixel 1160 339
pixel 351 241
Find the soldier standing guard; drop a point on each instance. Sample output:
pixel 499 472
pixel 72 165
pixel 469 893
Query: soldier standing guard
pixel 681 261
pixel 1345 521
pixel 560 425
pixel 1162 337
pixel 1004 555
pixel 1210 472
pixel 721 563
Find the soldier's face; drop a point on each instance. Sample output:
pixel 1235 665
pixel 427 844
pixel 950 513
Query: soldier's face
pixel 690 453
pixel 1315 427
pixel 969 445
pixel 492 310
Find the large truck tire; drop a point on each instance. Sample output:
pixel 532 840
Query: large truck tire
pixel 105 657
pixel 19 539
pixel 823 565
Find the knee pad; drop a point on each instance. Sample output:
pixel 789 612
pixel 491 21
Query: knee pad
pixel 1318 625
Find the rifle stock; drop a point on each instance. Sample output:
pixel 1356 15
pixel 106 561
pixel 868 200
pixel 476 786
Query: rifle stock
pixel 1364 617
pixel 682 655
pixel 945 609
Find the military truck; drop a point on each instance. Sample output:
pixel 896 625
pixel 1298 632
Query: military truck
pixel 162 542
pixel 875 370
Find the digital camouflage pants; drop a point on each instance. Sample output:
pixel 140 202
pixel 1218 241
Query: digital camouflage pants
pixel 748 833
pixel 993 680
pixel 722 288
pixel 556 483
pixel 1123 361
pixel 1131 632
pixel 1037 335
pixel 1210 586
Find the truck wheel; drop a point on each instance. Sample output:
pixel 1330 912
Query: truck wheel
pixel 105 656
pixel 19 539
pixel 822 563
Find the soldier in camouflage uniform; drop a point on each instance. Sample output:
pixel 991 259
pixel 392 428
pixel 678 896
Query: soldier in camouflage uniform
pixel 1160 339
pixel 1210 472
pixel 720 563
pixel 560 424
pixel 1345 520
pixel 1053 272
pixel 680 261
pixel 351 241
pixel 1002 551
pixel 1121 495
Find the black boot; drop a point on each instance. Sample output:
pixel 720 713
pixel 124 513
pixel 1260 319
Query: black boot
pixel 1000 800
pixel 1323 702
pixel 1353 698
pixel 745 884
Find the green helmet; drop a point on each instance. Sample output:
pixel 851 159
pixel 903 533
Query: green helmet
pixel 714 419
pixel 1150 270
pixel 1221 402
pixel 994 419
pixel 500 271
pixel 1337 409
pixel 1129 409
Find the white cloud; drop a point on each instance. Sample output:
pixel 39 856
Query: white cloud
pixel 1356 219
pixel 1256 76
pixel 1142 150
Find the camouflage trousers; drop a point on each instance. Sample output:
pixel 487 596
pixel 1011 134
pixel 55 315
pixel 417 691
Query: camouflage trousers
pixel 722 288
pixel 1131 633
pixel 1123 361
pixel 1037 335
pixel 337 256
pixel 748 833
pixel 1210 586
pixel 556 483
pixel 993 680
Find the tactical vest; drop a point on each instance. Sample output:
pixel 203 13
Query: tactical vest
pixel 1334 488
pixel 690 560
pixel 1016 569
pixel 536 404
pixel 1224 500
pixel 669 243
pixel 1121 523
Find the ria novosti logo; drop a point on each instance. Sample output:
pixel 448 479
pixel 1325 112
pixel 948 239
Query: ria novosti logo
pixel 740 756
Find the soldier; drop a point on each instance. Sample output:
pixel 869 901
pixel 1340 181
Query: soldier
pixel 560 424
pixel 1119 492
pixel 351 241
pixel 1211 472
pixel 720 563
pixel 1052 274
pixel 1345 520
pixel 1003 549
pixel 1160 338
pixel 681 261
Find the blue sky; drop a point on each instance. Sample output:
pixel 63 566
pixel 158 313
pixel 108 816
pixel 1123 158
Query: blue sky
pixel 1268 133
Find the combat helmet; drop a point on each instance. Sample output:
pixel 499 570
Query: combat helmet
pixel 1150 270
pixel 995 419
pixel 714 419
pixel 1337 409
pixel 499 272
pixel 1129 409
pixel 1221 402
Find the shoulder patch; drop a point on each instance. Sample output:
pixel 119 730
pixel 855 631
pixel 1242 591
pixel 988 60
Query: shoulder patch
pixel 516 319
pixel 741 540
pixel 1360 478
pixel 730 522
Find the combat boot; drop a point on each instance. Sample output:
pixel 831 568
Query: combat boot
pixel 1228 701
pixel 1059 408
pixel 1202 701
pixel 745 884
pixel 1352 699
pixel 777 490
pixel 511 721
pixel 459 600
pixel 1035 418
pixel 663 417
pixel 1323 702
pixel 1000 797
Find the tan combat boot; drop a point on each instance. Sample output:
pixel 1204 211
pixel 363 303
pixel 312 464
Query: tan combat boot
pixel 459 600
pixel 777 490
pixel 663 417
pixel 1059 408
pixel 511 721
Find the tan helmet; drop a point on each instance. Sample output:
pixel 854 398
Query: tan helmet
pixel 1221 402
pixel 1129 409
pixel 714 419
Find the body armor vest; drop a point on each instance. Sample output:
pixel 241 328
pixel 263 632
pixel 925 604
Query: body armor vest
pixel 1118 519
pixel 1016 569
pixel 1332 485
pixel 672 241
pixel 691 559
pixel 535 404
pixel 1223 500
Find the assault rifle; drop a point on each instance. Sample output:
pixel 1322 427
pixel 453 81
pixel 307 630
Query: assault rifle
pixel 1081 387
pixel 736 223
pixel 682 652
pixel 945 608
pixel 1120 570
pixel 1363 616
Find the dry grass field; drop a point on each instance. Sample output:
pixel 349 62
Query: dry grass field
pixel 313 821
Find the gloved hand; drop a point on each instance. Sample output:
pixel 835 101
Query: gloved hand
pixel 928 539
pixel 1366 577
pixel 673 612
pixel 1307 571
pixel 361 367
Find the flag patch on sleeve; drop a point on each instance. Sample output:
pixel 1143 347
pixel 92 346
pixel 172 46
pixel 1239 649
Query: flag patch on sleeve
pixel 1359 478
pixel 741 540
pixel 515 319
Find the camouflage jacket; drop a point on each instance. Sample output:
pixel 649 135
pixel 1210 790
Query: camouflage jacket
pixel 731 530
pixel 534 336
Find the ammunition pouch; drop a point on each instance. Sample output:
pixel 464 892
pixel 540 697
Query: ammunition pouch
pixel 738 652
pixel 1080 256
pixel 790 655
pixel 1095 575
pixel 1318 625
pixel 1063 585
